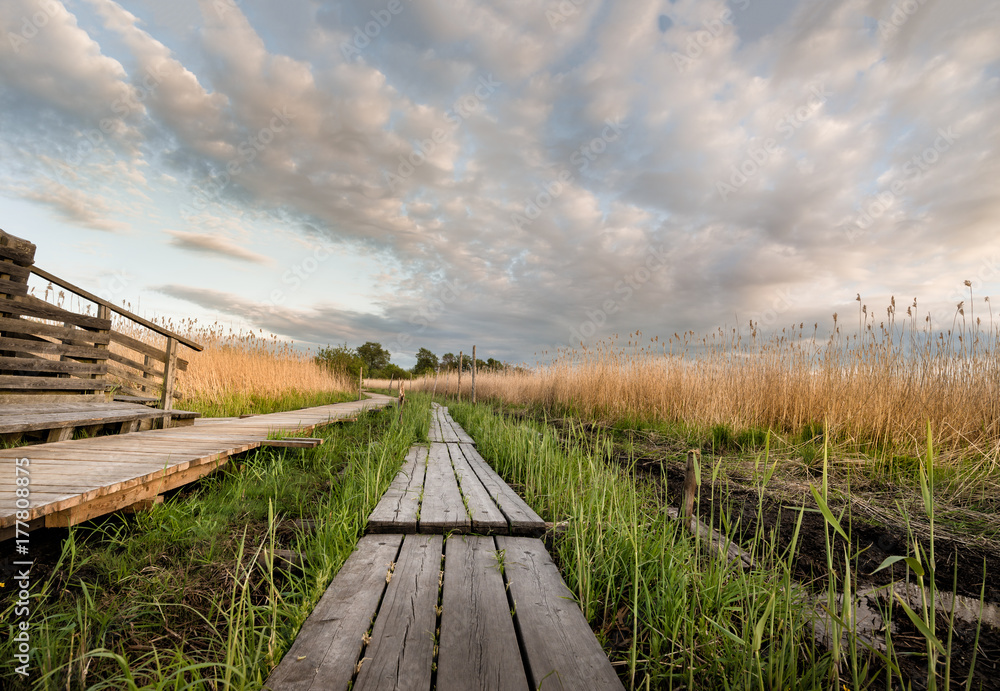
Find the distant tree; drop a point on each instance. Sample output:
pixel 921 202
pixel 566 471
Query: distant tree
pixel 339 359
pixel 494 365
pixel 393 370
pixel 449 361
pixel 426 362
pixel 374 357
pixel 480 364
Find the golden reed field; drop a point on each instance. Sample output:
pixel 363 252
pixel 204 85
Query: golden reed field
pixel 875 383
pixel 241 370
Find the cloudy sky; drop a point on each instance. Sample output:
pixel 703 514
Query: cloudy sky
pixel 516 174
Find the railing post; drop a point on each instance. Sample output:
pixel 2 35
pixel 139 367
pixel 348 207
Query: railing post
pixel 361 375
pixel 169 374
pixel 461 361
pixel 437 371
pixel 473 374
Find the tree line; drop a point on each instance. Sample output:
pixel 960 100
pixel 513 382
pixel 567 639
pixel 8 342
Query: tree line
pixel 377 363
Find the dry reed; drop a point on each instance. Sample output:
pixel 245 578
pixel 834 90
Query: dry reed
pixel 879 385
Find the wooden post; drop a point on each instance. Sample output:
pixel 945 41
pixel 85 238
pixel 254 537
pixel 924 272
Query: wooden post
pixel 361 374
pixel 402 400
pixel 473 374
pixel 392 378
pixel 691 482
pixel 169 374
pixel 437 371
pixel 461 361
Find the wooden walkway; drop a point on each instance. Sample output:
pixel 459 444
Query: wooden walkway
pixel 418 610
pixel 74 481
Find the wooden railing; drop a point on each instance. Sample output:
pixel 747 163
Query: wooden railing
pixel 39 358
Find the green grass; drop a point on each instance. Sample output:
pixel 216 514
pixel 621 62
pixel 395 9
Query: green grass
pixel 187 595
pixel 250 404
pixel 671 611
pixel 676 618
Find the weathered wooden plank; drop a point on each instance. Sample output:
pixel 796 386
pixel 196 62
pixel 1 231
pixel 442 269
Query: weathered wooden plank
pixel 397 510
pixel 434 434
pixel 442 509
pixel 521 518
pixel 39 309
pixel 293 443
pixel 43 365
pixel 120 372
pixel 486 516
pixel 10 381
pixel 28 423
pixel 24 345
pixel 27 326
pixel 136 365
pixel 561 650
pixel 460 434
pixel 478 648
pixel 152 352
pixel 401 652
pixel 121 498
pixel 448 434
pixel 329 643
pixel 17 249
pixel 16 272
pixel 12 287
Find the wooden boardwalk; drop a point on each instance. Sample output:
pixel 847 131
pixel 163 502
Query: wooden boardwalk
pixel 414 609
pixel 74 481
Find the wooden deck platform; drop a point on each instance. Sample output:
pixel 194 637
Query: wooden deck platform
pixel 444 429
pixel 450 488
pixel 74 481
pixel 59 420
pixel 452 613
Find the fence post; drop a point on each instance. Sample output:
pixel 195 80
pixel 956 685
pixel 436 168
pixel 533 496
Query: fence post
pixel 361 373
pixel 461 361
pixel 169 374
pixel 437 371
pixel 473 374
pixel 691 482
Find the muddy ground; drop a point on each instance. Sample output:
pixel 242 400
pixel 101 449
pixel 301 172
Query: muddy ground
pixel 965 560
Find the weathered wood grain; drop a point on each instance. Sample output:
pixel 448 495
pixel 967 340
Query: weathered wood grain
pixel 398 508
pixel 485 515
pixel 25 326
pixel 460 435
pixel 521 518
pixel 478 648
pixel 442 508
pixel 562 651
pixel 401 652
pixel 328 646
